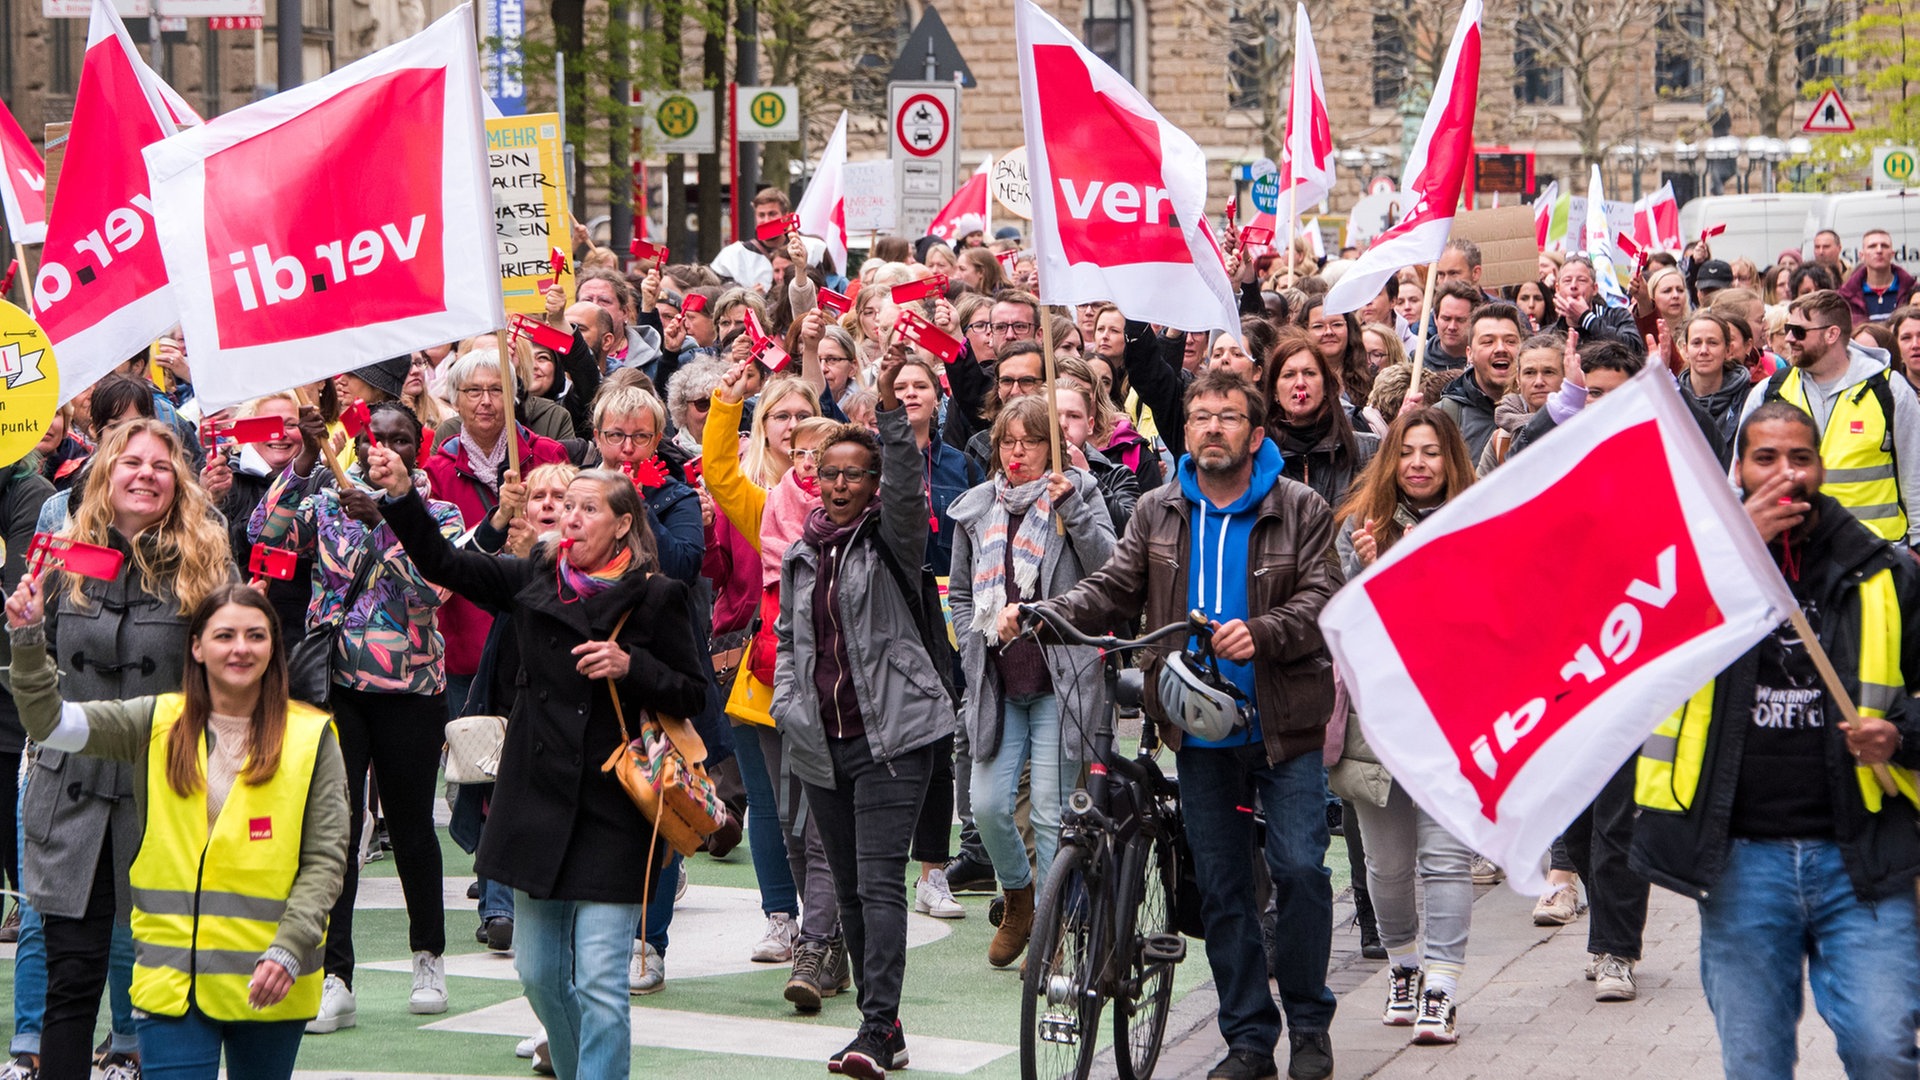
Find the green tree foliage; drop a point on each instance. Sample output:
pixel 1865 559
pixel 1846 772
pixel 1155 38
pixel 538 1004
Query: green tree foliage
pixel 1880 51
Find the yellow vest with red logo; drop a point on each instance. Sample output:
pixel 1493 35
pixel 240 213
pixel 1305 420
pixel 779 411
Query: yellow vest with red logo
pixel 208 902
pixel 1856 449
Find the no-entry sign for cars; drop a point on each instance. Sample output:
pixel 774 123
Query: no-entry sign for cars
pixel 924 135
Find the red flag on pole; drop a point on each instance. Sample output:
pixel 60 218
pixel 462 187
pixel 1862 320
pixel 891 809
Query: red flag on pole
pixel 967 211
pixel 1306 158
pixel 1674 585
pixel 24 187
pixel 823 206
pixel 1435 173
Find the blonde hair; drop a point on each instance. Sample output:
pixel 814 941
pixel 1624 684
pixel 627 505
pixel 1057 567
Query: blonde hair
pixel 759 462
pixel 252 408
pixel 553 472
pixel 186 551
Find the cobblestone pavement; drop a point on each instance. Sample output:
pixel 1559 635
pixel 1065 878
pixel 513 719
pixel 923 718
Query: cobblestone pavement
pixel 1526 1009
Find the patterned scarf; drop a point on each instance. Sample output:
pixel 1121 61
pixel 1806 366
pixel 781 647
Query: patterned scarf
pixel 486 467
pixel 585 583
pixel 1029 549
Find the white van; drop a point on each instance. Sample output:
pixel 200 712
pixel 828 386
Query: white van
pixel 1853 213
pixel 1759 227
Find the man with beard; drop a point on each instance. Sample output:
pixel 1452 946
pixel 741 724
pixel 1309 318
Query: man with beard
pixel 1757 797
pixel 1254 551
pixel 1493 345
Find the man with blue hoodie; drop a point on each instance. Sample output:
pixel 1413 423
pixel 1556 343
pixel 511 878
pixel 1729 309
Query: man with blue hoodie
pixel 1254 551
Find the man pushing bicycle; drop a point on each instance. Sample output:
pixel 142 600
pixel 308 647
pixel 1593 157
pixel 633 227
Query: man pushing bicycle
pixel 1254 551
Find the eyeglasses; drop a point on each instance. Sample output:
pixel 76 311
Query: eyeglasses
pixel 700 404
pixel 1227 420
pixel 806 453
pixel 1797 331
pixel 625 438
pixel 789 417
pixel 1024 382
pixel 1010 442
pixel 981 327
pixel 1013 329
pixel 476 393
pixel 834 473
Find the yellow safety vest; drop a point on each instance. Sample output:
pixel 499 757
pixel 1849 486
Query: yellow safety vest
pixel 1667 775
pixel 207 903
pixel 1857 449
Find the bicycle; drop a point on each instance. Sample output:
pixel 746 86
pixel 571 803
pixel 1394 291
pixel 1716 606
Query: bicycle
pixel 1104 928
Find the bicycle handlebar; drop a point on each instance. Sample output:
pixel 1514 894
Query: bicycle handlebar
pixel 1194 623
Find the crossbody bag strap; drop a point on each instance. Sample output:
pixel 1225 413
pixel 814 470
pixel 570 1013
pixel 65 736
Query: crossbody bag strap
pixel 619 713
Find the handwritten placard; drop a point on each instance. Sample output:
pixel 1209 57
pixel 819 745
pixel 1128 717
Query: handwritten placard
pixel 529 207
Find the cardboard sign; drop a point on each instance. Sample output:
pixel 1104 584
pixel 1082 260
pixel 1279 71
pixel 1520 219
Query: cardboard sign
pixel 551 338
pixel 50 552
pixel 1509 244
pixel 923 289
pixel 272 562
pixel 529 208
pixel 914 327
pixel 868 191
pixel 775 231
pixel 835 304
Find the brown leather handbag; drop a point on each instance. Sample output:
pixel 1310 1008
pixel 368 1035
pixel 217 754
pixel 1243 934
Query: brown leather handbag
pixel 664 773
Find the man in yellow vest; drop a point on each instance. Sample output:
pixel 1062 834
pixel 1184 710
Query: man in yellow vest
pixel 1868 418
pixel 1758 798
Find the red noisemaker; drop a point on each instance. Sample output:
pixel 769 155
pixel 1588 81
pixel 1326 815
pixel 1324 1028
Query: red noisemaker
pixel 548 337
pixel 643 251
pixel 1255 236
pixel 693 304
pixel 913 327
pixel 59 553
pixel 272 562
pixel 837 303
pixel 356 419
pixel 777 229
pixel 251 429
pixel 907 293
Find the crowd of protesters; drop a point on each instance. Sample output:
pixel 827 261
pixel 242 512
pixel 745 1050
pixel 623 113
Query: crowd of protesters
pixel 666 517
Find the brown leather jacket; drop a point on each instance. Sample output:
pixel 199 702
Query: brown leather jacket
pixel 1293 571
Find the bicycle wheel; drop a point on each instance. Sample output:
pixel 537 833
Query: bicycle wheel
pixel 1142 1000
pixel 1060 1003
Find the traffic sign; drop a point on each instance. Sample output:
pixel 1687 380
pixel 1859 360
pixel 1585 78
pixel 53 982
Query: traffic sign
pixel 1829 116
pixel 925 140
pixel 1266 193
pixel 768 113
pixel 1895 167
pixel 930 54
pixel 675 121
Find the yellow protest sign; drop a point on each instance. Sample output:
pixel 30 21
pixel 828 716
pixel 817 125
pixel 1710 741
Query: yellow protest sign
pixel 529 208
pixel 29 383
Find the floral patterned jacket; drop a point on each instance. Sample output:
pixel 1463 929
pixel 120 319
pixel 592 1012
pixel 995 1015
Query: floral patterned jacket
pixel 390 644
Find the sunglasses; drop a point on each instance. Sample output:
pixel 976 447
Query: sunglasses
pixel 1797 332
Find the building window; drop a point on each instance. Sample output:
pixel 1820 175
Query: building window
pixel 1108 30
pixel 1677 75
pixel 1817 27
pixel 316 39
pixel 1534 82
pixel 1253 62
pixel 1389 61
pixel 69 50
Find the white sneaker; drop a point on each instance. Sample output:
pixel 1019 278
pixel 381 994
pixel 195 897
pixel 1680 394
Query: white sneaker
pixel 776 945
pixel 1435 1025
pixel 337 1008
pixel 1485 872
pixel 1613 980
pixel 932 897
pixel 525 1047
pixel 647 971
pixel 429 985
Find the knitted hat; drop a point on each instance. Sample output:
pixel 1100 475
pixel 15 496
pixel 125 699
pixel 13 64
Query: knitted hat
pixel 388 376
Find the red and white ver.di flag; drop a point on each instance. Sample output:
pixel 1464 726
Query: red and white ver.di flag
pixel 335 224
pixel 101 290
pixel 1504 711
pixel 1435 172
pixel 823 206
pixel 1119 194
pixel 23 188
pixel 1306 158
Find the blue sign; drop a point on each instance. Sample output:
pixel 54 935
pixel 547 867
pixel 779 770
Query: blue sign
pixel 1266 193
pixel 506 82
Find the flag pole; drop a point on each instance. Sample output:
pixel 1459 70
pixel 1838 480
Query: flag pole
pixel 1850 717
pixel 326 448
pixel 1053 407
pixel 1420 331
pixel 512 432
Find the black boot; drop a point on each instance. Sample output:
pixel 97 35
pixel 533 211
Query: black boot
pixel 1370 946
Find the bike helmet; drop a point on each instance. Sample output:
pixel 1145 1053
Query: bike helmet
pixel 1198 699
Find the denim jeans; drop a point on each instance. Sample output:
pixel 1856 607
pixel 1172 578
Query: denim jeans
pixel 572 959
pixel 1785 905
pixel 1218 789
pixel 866 824
pixel 29 958
pixel 659 909
pixel 765 840
pixel 1401 839
pixel 188 1047
pixel 1031 730
pixel 496 900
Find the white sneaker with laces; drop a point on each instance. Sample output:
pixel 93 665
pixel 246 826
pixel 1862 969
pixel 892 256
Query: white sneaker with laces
pixel 1613 980
pixel 776 945
pixel 932 897
pixel 1435 1025
pixel 119 1067
pixel 20 1068
pixel 1559 907
pixel 429 985
pixel 1403 996
pixel 647 971
pixel 525 1047
pixel 1486 872
pixel 337 1008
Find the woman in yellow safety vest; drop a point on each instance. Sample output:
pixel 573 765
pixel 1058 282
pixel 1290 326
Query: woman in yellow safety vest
pixel 242 797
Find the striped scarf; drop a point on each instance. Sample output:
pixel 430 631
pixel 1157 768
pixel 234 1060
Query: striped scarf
pixel 1029 549
pixel 587 583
